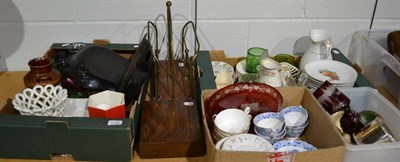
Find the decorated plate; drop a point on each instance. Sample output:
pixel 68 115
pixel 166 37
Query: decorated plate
pixel 218 66
pixel 247 142
pixel 259 97
pixel 334 71
pixel 293 146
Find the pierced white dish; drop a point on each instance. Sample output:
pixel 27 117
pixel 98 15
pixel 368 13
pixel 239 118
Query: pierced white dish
pixel 247 142
pixel 41 100
pixel 293 146
pixel 334 71
pixel 294 71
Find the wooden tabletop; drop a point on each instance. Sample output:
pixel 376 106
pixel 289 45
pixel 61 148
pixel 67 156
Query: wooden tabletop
pixel 135 158
pixel 11 83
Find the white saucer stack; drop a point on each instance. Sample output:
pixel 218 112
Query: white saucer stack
pixel 337 73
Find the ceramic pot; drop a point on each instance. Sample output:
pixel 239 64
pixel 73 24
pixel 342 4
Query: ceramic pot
pixel 41 73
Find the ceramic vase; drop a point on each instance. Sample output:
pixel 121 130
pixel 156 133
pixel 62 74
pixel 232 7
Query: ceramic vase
pixel 41 73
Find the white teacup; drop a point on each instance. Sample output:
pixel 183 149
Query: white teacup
pixel 232 121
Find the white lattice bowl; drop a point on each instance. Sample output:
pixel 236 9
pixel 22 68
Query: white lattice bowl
pixel 41 100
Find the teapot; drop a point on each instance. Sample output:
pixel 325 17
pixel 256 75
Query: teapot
pixel 319 49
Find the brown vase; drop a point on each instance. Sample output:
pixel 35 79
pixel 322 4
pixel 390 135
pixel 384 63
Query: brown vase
pixel 41 73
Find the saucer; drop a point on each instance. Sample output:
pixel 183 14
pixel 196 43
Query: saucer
pixel 247 142
pixel 293 146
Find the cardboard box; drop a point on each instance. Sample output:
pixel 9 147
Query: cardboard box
pixel 320 132
pixel 78 138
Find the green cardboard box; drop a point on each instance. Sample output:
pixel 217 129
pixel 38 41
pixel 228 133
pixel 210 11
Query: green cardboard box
pixel 78 138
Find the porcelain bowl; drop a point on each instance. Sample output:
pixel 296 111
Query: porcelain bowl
pixel 41 100
pixel 232 121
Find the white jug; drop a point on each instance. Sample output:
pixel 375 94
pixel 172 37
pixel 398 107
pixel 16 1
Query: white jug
pixel 319 50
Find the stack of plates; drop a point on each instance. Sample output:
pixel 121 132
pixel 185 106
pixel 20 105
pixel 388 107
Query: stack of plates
pixel 337 73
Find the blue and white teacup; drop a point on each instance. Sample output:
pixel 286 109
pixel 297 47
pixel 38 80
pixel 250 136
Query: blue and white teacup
pixel 295 116
pixel 296 119
pixel 274 138
pixel 269 123
pixel 294 132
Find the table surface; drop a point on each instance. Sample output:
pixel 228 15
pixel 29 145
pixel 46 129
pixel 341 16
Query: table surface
pixel 12 83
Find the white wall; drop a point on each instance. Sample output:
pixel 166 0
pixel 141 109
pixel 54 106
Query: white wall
pixel 29 27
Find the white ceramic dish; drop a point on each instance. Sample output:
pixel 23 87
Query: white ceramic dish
pixel 247 142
